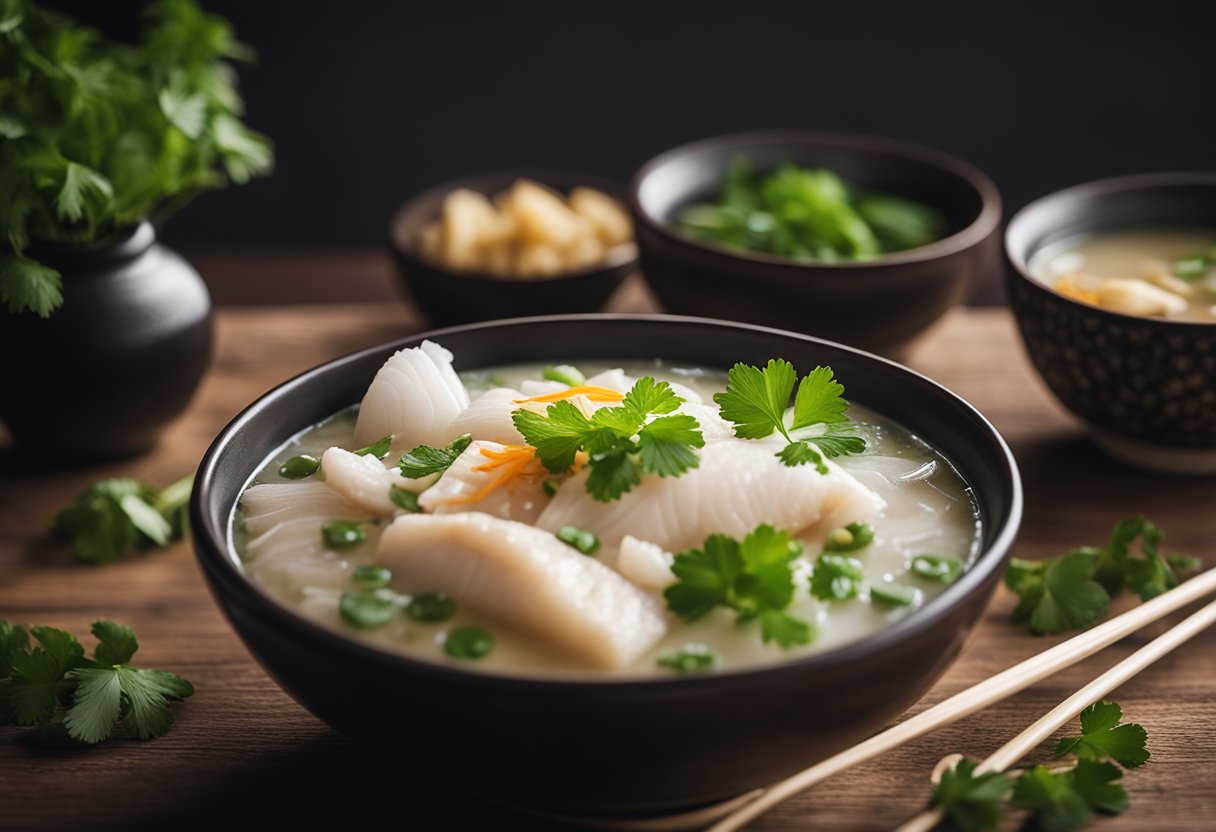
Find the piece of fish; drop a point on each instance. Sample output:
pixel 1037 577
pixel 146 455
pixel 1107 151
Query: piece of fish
pixel 645 564
pixel 519 498
pixel 415 397
pixel 525 579
pixel 364 481
pixel 489 417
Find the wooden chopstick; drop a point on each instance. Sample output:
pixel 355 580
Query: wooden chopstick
pixel 1028 740
pixel 990 691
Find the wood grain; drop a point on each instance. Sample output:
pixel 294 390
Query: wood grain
pixel 242 751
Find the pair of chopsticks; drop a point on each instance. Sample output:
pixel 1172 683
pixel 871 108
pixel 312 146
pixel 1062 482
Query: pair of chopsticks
pixel 1005 684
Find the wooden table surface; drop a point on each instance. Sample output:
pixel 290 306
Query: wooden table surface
pixel 242 750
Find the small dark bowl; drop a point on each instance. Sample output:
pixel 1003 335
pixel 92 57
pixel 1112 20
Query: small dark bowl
pixel 618 746
pixel 456 297
pixel 1145 386
pixel 880 304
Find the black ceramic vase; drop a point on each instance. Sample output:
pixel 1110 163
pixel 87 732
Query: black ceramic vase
pixel 116 362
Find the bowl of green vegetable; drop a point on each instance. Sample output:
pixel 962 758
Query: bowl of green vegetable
pixel 858 239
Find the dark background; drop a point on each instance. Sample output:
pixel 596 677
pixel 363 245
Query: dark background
pixel 371 102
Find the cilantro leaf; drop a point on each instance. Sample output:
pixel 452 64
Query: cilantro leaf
pixel 114 516
pixel 378 449
pixel 1056 805
pixel 666 445
pixel 557 436
pixel 27 284
pixel 836 578
pixel 35 685
pixel 648 396
pixel 98 702
pixel 969 802
pixel 1095 783
pixel 425 460
pixel 78 182
pixel 1102 736
pixel 819 399
pixel 802 453
pixel 784 629
pixel 612 475
pixel 838 440
pixel 705 577
pixel 755 399
pixel 1058 594
pixel 13 639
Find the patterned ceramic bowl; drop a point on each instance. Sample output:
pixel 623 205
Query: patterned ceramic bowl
pixel 1145 386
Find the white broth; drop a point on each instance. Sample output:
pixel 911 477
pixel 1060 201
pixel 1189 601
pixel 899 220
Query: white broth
pixel 928 510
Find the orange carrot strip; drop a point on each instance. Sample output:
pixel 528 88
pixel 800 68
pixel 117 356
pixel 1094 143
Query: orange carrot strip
pixel 593 393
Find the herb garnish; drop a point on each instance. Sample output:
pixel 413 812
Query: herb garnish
pixel 425 460
pixel 1074 590
pixel 368 608
pixel 619 441
pixel 404 499
pixel 378 449
pixel 1195 266
pixel 115 516
pixel 342 534
pixel 430 607
pixel 580 539
pixel 754 578
pixel 56 688
pixel 850 538
pixel 692 658
pixel 836 578
pixel 565 374
pixel 469 642
pixel 756 401
pixel 937 568
pixel 299 467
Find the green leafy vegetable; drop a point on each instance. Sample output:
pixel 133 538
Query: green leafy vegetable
pixel 115 516
pixel 299 467
pixel 342 534
pixel 378 449
pixel 405 499
pixel 754 578
pixel 936 568
pixel 96 136
pixel 851 538
pixel 836 578
pixel 431 607
pixel 468 643
pixel 565 374
pixel 580 539
pixel 692 658
pixel 1074 590
pixel 808 214
pixel 622 442
pixel 971 802
pixel 55 687
pixel 425 460
pixel 1103 734
pixel 756 400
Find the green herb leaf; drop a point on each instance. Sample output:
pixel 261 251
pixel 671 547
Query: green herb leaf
pixel 1057 595
pixel 431 607
pixel 612 475
pixel 1095 783
pixel 404 499
pixel 299 467
pixel 425 460
pixel 29 285
pixel 692 658
pixel 1103 735
pixel 820 400
pixel 802 453
pixel 894 595
pixel 379 449
pixel 116 643
pixel 468 643
pixel 557 436
pixel 342 534
pixel 565 374
pixel 371 576
pixel 755 399
pixel 666 445
pixel 115 516
pixel 936 568
pixel 970 802
pixel 584 541
pixel 836 577
pixel 1056 805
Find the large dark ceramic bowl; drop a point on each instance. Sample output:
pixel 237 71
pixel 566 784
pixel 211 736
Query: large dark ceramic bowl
pixel 450 297
pixel 879 304
pixel 1145 386
pixel 625 745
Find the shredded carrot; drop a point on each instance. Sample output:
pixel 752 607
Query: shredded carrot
pixel 1070 286
pixel 512 462
pixel 593 393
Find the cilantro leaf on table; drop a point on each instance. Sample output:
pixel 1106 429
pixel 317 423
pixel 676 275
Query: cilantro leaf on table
pixel 621 442
pixel 970 802
pixel 1095 783
pixel 70 697
pixel 753 577
pixel 1055 804
pixel 424 460
pixel 115 516
pixel 1103 735
pixel 756 401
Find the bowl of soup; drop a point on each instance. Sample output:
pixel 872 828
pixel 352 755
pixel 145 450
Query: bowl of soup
pixel 607 564
pixel 1114 287
pixel 859 239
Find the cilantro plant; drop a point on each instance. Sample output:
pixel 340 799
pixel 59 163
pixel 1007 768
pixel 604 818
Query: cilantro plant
pixel 753 577
pixel 116 516
pixel 69 697
pixel 756 400
pixel 621 442
pixel 96 136
pixel 1073 591
pixel 1062 799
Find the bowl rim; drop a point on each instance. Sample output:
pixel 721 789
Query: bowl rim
pixel 621 256
pixel 981 227
pixel 1098 188
pixel 220 563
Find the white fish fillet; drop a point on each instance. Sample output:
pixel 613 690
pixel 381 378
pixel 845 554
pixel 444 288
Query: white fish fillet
pixel 521 499
pixel 365 482
pixel 489 417
pixel 739 485
pixel 415 397
pixel 644 563
pixel 268 505
pixel 526 579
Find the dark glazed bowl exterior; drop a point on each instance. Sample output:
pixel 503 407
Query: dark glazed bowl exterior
pixel 119 360
pixel 880 304
pixel 454 297
pixel 1146 385
pixel 612 746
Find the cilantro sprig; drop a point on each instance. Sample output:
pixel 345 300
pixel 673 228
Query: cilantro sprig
pixel 1073 591
pixel 753 577
pixel 622 442
pixel 1062 799
pixel 115 516
pixel 425 460
pixel 53 686
pixel 756 400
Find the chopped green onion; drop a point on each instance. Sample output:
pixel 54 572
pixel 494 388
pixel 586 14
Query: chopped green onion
pixel 584 541
pixel 549 487
pixel 894 595
pixel 564 373
pixel 404 498
pixel 372 576
pixel 935 568
pixel 836 578
pixel 431 607
pixel 299 467
pixel 849 539
pixel 693 658
pixel 367 608
pixel 342 534
pixel 378 449
pixel 1192 268
pixel 468 643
